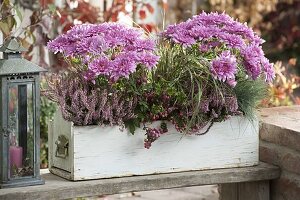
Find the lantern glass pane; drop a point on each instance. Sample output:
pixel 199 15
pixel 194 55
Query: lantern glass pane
pixel 21 130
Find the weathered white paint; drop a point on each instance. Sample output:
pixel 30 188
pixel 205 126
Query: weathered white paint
pixel 103 152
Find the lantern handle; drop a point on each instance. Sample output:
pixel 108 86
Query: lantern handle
pixel 6 44
pixel 17 40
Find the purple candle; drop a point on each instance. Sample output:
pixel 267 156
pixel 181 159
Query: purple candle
pixel 16 156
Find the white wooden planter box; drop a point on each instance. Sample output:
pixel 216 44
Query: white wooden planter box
pixel 102 152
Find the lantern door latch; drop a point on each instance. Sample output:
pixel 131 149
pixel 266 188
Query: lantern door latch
pixel 62 146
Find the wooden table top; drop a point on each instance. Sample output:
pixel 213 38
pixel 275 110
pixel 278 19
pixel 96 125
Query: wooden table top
pixel 59 188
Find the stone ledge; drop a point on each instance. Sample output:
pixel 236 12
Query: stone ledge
pixel 281 125
pixel 287 187
pixel 280 145
pixel 285 158
pixel 285 117
pixel 279 135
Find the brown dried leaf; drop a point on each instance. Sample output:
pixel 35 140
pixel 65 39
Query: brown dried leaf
pixel 142 14
pixel 150 8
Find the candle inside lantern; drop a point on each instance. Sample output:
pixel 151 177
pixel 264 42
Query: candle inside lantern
pixel 16 156
pixel 15 153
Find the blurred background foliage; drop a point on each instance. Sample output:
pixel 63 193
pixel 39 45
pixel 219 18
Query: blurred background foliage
pixel 35 22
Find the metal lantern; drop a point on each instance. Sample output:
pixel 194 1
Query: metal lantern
pixel 19 118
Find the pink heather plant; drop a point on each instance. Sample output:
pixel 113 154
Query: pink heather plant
pixel 84 105
pixel 233 43
pixel 109 49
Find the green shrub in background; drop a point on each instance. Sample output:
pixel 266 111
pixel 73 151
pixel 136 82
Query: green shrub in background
pixel 47 111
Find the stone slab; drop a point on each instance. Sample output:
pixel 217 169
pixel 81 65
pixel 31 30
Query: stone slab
pixel 287 117
pixel 115 153
pixel 286 158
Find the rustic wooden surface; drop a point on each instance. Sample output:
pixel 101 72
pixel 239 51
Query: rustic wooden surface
pixel 54 132
pixel 58 188
pixel 105 152
pixel 258 190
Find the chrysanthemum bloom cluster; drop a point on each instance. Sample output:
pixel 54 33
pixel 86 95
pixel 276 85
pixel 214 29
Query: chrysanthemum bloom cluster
pixel 233 43
pixel 109 49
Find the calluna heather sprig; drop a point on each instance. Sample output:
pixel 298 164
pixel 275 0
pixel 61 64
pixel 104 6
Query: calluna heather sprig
pixel 84 105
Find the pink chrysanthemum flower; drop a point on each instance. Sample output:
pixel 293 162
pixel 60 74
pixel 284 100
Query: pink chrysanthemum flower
pixel 224 67
pixel 112 49
pixel 206 29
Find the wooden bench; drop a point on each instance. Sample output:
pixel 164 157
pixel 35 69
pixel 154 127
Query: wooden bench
pixel 247 183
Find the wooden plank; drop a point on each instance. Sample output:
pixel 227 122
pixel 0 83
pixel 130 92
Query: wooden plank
pixel 113 153
pixel 58 188
pixel 258 190
pixel 65 128
pixel 228 191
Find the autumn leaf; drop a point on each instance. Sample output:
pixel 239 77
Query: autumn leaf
pixel 147 27
pixel 67 26
pixel 25 43
pixel 6 2
pixel 163 4
pixel 280 93
pixel 150 8
pixel 114 17
pixel 297 100
pixel 142 14
pixel 4 28
pixel 7 24
pixel 52 8
pixel 293 61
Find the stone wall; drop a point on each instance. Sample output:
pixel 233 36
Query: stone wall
pixel 280 145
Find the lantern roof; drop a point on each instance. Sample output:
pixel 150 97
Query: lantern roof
pixel 18 66
pixel 12 45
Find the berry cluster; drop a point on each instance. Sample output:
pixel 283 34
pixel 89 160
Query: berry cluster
pixel 153 134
